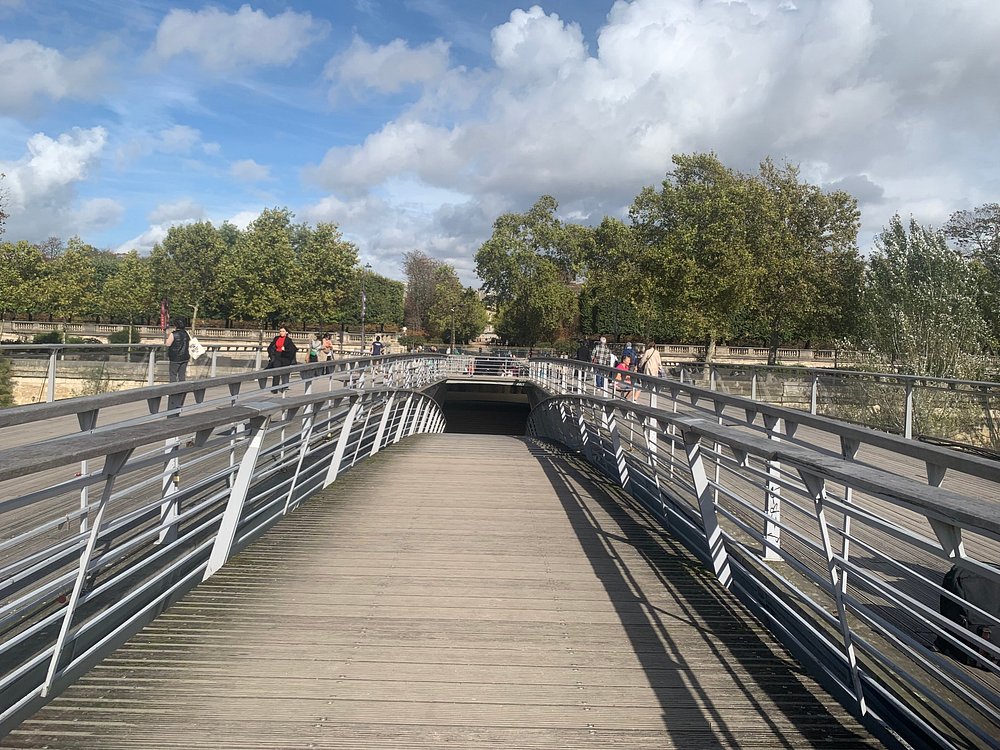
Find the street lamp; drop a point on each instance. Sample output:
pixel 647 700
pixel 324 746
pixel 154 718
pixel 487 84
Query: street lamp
pixel 364 301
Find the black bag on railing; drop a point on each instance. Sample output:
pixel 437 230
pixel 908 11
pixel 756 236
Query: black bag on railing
pixel 978 590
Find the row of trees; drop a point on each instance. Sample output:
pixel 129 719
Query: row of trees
pixel 764 258
pixel 272 272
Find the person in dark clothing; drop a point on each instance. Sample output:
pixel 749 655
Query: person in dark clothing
pixel 583 351
pixel 178 354
pixel 281 353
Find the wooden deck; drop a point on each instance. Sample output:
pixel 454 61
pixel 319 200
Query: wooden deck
pixel 454 591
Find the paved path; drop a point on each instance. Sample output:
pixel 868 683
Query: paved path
pixel 412 606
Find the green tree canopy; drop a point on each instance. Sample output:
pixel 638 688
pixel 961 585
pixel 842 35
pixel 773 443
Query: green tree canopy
pixel 919 302
pixel 128 293
pixel 323 274
pixel 528 267
pixel 186 266
pixel 257 273
pixel 22 268
pixel 803 243
pixel 69 284
pixel 694 246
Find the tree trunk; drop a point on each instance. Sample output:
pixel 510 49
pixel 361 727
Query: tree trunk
pixel 710 346
pixel 772 348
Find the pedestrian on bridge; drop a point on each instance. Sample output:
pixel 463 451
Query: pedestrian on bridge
pixel 650 362
pixel 178 353
pixel 602 356
pixel 281 353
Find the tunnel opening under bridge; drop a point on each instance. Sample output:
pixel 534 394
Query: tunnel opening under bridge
pixel 486 408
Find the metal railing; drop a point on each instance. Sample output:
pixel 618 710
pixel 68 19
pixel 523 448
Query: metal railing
pixel 821 526
pixel 104 528
pixel 161 496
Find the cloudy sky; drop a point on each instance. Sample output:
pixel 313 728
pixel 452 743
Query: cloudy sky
pixel 414 123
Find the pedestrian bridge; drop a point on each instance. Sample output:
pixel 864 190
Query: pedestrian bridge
pixel 223 563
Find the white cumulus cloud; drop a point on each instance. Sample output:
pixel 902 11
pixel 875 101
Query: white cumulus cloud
pixel 390 67
pixel 30 73
pixel 42 186
pixel 224 42
pixel 247 170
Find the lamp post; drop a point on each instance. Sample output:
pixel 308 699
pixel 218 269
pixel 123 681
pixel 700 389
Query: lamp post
pixel 364 301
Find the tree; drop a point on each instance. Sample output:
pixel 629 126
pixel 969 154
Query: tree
pixel 977 232
pixel 68 285
pixel 128 293
pixel 919 303
pixel 456 309
pixel 420 270
pixel 21 270
pixel 186 265
pixel 693 246
pixel 384 300
pixel 323 274
pixel 528 267
pixel 804 244
pixel 256 274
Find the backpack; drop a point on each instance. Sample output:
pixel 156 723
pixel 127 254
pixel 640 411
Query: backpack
pixel 975 589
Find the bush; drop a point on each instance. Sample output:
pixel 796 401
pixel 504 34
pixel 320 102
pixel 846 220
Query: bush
pixel 55 337
pixel 6 384
pixel 125 336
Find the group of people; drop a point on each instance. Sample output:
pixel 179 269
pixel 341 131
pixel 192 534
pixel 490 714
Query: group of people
pixel 648 363
pixel 281 352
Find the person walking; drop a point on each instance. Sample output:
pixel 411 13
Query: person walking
pixel 315 347
pixel 377 347
pixel 602 356
pixel 178 352
pixel 281 353
pixel 327 350
pixel 650 362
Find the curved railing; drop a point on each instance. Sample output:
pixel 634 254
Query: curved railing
pixel 144 509
pixel 840 551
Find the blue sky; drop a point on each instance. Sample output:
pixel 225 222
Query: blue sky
pixel 412 124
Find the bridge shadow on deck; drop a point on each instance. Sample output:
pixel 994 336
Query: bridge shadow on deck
pixel 765 677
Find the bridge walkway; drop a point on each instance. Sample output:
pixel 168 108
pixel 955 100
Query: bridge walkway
pixel 461 591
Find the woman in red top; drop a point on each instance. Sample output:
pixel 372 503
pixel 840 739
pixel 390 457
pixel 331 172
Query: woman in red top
pixel 623 382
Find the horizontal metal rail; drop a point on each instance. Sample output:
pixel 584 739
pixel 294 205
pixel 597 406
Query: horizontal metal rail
pixel 842 560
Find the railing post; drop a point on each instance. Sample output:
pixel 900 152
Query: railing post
pixel 151 368
pixel 714 542
pixel 813 392
pixel 308 422
pixel 112 466
pixel 611 425
pixel 908 411
pixel 817 488
pixel 404 414
pixel 338 454
pixel 772 494
pixel 753 383
pixel 226 535
pixel 169 487
pixel 213 368
pixel 380 433
pixel 50 390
